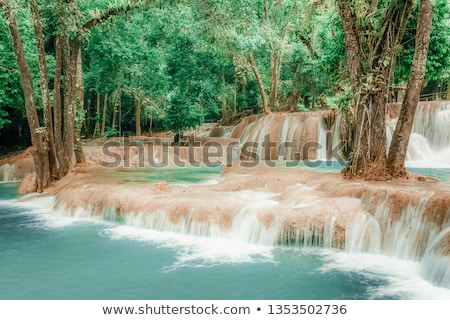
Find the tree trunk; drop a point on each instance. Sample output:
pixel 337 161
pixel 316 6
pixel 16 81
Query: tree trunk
pixel 138 115
pixel 293 100
pixel 45 92
pixel 402 133
pixel 105 107
pixel 352 45
pixel 97 118
pixel 69 89
pixel 80 158
pixel 273 96
pixel 88 117
pixel 262 90
pixel 114 119
pixel 370 83
pixel 225 115
pixel 235 97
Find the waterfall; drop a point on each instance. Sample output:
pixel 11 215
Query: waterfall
pixel 293 136
pixel 405 237
pixel 9 172
pixel 429 144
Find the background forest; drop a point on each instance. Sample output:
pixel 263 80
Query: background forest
pixel 171 65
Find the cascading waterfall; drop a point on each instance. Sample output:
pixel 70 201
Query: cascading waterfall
pixel 406 237
pixel 270 219
pixel 430 137
pixel 296 136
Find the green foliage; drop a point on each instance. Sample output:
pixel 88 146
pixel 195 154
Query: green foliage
pixel 3 118
pixel 342 100
pixel 111 132
pixel 182 114
pixel 438 62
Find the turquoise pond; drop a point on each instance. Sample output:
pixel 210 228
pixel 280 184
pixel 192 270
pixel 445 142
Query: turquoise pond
pixel 43 256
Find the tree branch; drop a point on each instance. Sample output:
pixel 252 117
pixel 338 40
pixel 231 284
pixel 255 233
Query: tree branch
pixel 112 12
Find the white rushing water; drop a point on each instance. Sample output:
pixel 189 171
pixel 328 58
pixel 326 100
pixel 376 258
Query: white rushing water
pixel 429 145
pixel 8 173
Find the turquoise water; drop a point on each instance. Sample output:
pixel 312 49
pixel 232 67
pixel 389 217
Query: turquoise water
pixel 442 174
pixel 47 257
pixel 173 175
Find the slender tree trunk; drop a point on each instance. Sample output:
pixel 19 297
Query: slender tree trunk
pixel 80 158
pixel 293 100
pixel 68 113
pixel 402 133
pixel 225 115
pixel 114 119
pixel 151 122
pixel 273 97
pixel 105 107
pixel 120 120
pixel 58 108
pixel 88 117
pixel 97 117
pixel 235 97
pixel 262 90
pixel 138 115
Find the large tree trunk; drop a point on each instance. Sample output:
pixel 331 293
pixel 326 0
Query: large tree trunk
pixel 402 133
pixel 262 90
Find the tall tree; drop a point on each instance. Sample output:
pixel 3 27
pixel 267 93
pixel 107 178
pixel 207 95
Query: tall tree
pixel 373 32
pixel 400 139
pixel 53 142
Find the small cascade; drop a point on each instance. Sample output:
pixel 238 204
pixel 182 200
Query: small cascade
pixel 9 172
pixel 289 136
pixel 405 237
pixel 436 261
pixel 214 132
pixel 429 143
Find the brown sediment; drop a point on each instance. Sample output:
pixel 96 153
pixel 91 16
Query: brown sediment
pixel 28 184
